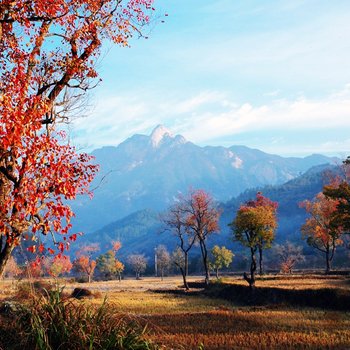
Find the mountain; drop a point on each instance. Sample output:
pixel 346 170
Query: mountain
pixel 142 231
pixel 149 171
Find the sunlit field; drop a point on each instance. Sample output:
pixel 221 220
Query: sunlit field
pixel 192 320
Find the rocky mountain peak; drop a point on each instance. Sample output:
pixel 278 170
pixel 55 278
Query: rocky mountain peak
pixel 158 133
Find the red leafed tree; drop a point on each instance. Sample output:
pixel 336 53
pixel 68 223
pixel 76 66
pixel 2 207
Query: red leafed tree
pixel 318 230
pixel 202 218
pixel 48 51
pixel 84 262
pixel 59 265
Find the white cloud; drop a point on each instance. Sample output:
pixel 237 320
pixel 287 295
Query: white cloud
pixel 210 116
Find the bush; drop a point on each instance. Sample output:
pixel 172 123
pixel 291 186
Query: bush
pixel 54 322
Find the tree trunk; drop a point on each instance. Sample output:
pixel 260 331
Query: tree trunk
pixel 89 278
pixel 261 271
pixel 217 273
pixel 183 273
pixel 328 261
pixel 5 255
pixel 162 274
pixel 251 279
pixel 186 263
pixel 205 261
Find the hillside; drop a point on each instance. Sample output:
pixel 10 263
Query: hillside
pixel 142 231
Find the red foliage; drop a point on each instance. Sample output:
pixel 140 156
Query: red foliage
pixel 48 52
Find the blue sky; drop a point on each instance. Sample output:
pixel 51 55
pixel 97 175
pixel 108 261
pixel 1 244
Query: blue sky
pixel 273 75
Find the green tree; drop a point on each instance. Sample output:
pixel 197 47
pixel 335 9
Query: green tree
pixel 106 264
pixel 221 257
pixel 255 223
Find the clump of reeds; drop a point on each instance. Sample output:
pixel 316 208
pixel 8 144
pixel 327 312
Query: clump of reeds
pixel 52 321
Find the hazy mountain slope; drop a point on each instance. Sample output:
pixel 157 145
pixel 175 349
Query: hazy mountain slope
pixel 141 231
pixel 149 171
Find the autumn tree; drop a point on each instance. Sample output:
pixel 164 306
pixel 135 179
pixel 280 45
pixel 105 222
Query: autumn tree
pixel 254 227
pixel 289 254
pixel 59 265
pixel 202 219
pixel 12 269
pixel 84 262
pixel 48 53
pixel 339 190
pixel 138 264
pixel 162 259
pixel 119 269
pixel 175 220
pixel 319 230
pixel 220 258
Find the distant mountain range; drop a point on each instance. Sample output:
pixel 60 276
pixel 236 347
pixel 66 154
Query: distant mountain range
pixel 148 172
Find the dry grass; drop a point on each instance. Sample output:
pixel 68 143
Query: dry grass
pixel 185 320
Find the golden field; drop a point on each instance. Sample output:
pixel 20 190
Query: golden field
pixel 179 320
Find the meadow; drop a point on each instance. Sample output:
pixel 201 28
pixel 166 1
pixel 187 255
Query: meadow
pixel 211 319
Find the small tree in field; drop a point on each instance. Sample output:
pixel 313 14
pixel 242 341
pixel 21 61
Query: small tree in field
pixel 318 230
pixel 254 224
pixel 221 257
pixel 178 259
pixel 119 269
pixel 84 262
pixel 48 55
pixel 163 259
pixel 175 221
pixel 340 191
pixel 202 219
pixel 59 265
pixel 289 255
pixel 108 264
pixel 138 263
pixel 12 269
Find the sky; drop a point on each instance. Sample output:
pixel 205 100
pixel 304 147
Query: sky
pixel 272 75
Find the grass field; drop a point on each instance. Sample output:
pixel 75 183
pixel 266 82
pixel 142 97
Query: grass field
pixel 179 320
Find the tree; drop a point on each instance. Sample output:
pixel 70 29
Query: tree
pixel 84 262
pixel 319 230
pixel 105 264
pixel 178 259
pixel 163 259
pixel 119 269
pixel 254 227
pixel 108 264
pixel 12 269
pixel 59 265
pixel 221 257
pixel 202 219
pixel 175 221
pixel 289 255
pixel 48 53
pixel 138 263
pixel 339 190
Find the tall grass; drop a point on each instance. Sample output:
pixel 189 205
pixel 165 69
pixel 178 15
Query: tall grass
pixel 51 322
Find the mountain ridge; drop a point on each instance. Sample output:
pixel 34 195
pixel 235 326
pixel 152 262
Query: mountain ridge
pixel 149 171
